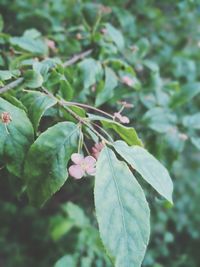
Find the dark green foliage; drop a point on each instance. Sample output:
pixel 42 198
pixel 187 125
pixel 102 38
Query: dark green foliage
pixel 156 45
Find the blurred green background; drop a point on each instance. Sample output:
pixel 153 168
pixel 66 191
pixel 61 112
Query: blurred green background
pixel 167 33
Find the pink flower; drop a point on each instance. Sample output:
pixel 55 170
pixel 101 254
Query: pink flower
pixel 127 80
pixel 122 119
pixel 104 31
pixel 6 117
pixel 83 166
pixel 51 44
pixel 96 149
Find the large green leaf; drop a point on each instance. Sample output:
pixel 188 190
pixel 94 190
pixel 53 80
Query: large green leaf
pixel 108 90
pixel 148 167
pixel 15 141
pixel 128 134
pixel 45 168
pixel 37 103
pixel 122 211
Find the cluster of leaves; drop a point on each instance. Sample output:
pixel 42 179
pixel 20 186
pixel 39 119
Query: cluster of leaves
pixel 45 90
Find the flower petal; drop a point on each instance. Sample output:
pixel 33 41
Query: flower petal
pixel 89 161
pixel 91 170
pixel 77 158
pixel 76 171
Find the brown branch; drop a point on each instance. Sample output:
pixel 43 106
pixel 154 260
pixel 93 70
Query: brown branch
pixel 11 85
pixel 77 57
pixel 69 62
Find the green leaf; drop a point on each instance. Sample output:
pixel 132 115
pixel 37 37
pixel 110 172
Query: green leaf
pixel 8 74
pixel 13 100
pixel 33 79
pixel 185 95
pixel 30 42
pixel 60 226
pixel 37 103
pixel 122 211
pixel 45 168
pixel 116 36
pixel 160 119
pixel 16 140
pixel 91 71
pixel 65 261
pixel 1 23
pixel 76 214
pixel 192 121
pixel 107 91
pixel 144 46
pixel 196 142
pixel 66 89
pixel 148 167
pixel 128 134
pixel 5 75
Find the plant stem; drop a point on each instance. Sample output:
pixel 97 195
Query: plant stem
pixel 11 85
pixel 78 118
pixel 88 107
pixel 76 58
pixel 69 62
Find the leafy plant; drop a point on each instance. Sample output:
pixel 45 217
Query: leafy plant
pixel 67 94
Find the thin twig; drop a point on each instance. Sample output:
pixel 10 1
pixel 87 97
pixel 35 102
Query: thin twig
pixel 69 62
pixel 11 85
pixel 101 129
pixel 78 118
pixel 77 57
pixel 88 107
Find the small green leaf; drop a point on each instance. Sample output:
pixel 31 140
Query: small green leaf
pixel 33 79
pixel 196 142
pixel 128 134
pixel 1 23
pixel 37 103
pixel 122 211
pixel 60 226
pixel 8 74
pixel 192 121
pixel 45 168
pixel 185 95
pixel 5 75
pixel 91 70
pixel 107 91
pixel 143 47
pixel 148 167
pixel 116 36
pixel 31 41
pixel 16 139
pixel 160 119
pixel 66 89
pixel 66 261
pixel 76 214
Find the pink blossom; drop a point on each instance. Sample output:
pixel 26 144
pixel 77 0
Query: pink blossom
pixel 96 149
pixel 83 166
pixel 104 31
pixel 127 80
pixel 51 44
pixel 122 119
pixel 6 117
